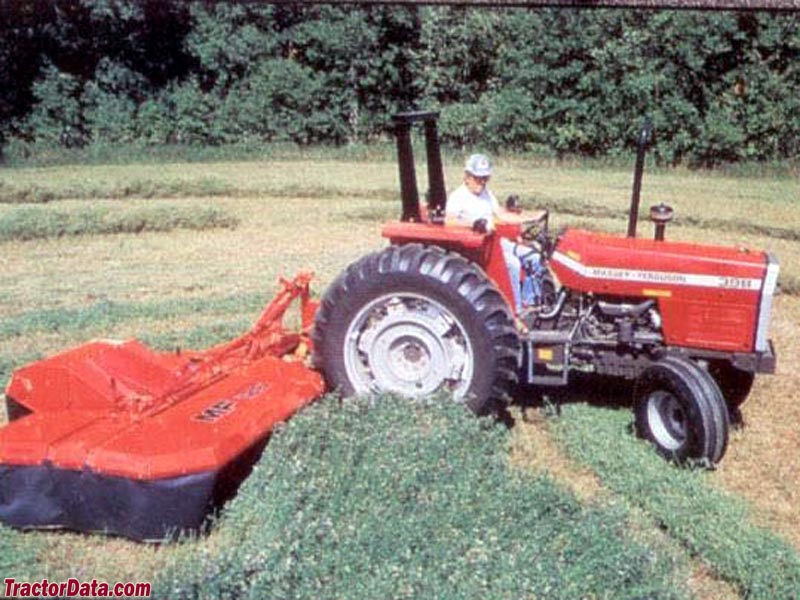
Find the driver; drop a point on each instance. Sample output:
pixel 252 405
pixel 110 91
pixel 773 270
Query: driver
pixel 473 205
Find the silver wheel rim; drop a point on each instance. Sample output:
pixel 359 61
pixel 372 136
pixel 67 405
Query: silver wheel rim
pixel 409 345
pixel 667 420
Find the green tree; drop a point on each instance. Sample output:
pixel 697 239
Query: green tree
pixel 57 116
pixel 364 57
pixel 228 41
pixel 111 100
pixel 280 100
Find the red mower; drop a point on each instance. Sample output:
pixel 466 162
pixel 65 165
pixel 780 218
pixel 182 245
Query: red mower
pixel 115 437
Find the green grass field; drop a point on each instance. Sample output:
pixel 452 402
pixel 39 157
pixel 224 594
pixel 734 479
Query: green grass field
pixel 569 506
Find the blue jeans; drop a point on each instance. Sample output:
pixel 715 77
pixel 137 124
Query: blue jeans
pixel 519 257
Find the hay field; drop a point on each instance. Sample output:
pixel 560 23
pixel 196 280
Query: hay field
pixel 196 286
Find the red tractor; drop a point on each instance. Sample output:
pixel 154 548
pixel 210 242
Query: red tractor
pixel 687 323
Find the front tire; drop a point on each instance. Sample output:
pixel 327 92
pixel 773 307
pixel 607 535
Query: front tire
pixel 413 320
pixel 734 383
pixel 679 408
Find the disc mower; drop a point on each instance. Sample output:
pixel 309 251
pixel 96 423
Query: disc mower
pixel 116 438
pixel 112 436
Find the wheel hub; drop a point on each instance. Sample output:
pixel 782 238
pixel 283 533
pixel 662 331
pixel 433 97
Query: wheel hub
pixel 412 352
pixel 407 344
pixel 668 420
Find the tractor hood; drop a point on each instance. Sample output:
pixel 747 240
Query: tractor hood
pixel 712 297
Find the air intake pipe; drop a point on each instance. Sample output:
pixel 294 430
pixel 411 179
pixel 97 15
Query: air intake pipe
pixel 660 215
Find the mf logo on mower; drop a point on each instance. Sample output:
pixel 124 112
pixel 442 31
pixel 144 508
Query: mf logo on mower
pixel 225 406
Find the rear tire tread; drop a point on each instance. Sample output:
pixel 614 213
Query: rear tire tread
pixel 438 269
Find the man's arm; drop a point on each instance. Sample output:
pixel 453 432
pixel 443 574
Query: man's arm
pixel 514 218
pixel 522 218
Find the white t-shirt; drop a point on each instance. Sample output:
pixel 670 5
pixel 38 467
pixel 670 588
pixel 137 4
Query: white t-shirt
pixel 466 207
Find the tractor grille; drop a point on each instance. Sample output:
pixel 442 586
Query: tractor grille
pixel 765 306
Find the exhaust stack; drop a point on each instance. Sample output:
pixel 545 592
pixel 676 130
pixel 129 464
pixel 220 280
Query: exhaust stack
pixel 644 139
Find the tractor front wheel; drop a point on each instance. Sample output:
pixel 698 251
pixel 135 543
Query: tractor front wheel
pixel 413 320
pixel 680 409
pixel 734 383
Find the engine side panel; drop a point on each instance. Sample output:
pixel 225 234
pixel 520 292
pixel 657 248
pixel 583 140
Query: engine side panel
pixel 709 296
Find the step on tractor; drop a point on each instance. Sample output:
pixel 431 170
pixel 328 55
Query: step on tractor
pixel 115 437
pixel 687 323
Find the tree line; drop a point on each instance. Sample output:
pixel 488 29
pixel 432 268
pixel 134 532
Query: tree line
pixel 721 86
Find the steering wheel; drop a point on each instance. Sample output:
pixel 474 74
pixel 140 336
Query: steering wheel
pixel 534 233
pixel 531 230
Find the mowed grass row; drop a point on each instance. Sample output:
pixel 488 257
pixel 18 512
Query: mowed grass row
pixel 290 178
pixel 758 212
pixel 19 554
pixel 712 525
pixel 41 223
pixel 105 314
pixel 274 237
pixel 597 203
pixel 385 499
pixel 699 197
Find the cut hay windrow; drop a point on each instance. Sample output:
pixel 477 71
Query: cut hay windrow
pixel 101 315
pixel 19 553
pixel 710 524
pixel 383 498
pixel 33 223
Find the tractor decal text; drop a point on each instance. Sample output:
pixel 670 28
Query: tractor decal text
pixel 659 277
pixel 737 283
pixel 226 406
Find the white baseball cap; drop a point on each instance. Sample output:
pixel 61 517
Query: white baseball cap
pixel 478 165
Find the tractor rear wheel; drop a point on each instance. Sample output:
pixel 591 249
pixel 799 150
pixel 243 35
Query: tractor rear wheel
pixel 680 409
pixel 413 320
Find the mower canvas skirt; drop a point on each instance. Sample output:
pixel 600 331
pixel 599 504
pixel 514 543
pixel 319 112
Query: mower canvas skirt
pixel 114 437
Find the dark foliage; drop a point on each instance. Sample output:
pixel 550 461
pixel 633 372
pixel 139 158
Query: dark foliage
pixel 720 85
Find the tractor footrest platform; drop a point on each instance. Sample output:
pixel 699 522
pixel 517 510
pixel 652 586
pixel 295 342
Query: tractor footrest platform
pixel 547 358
